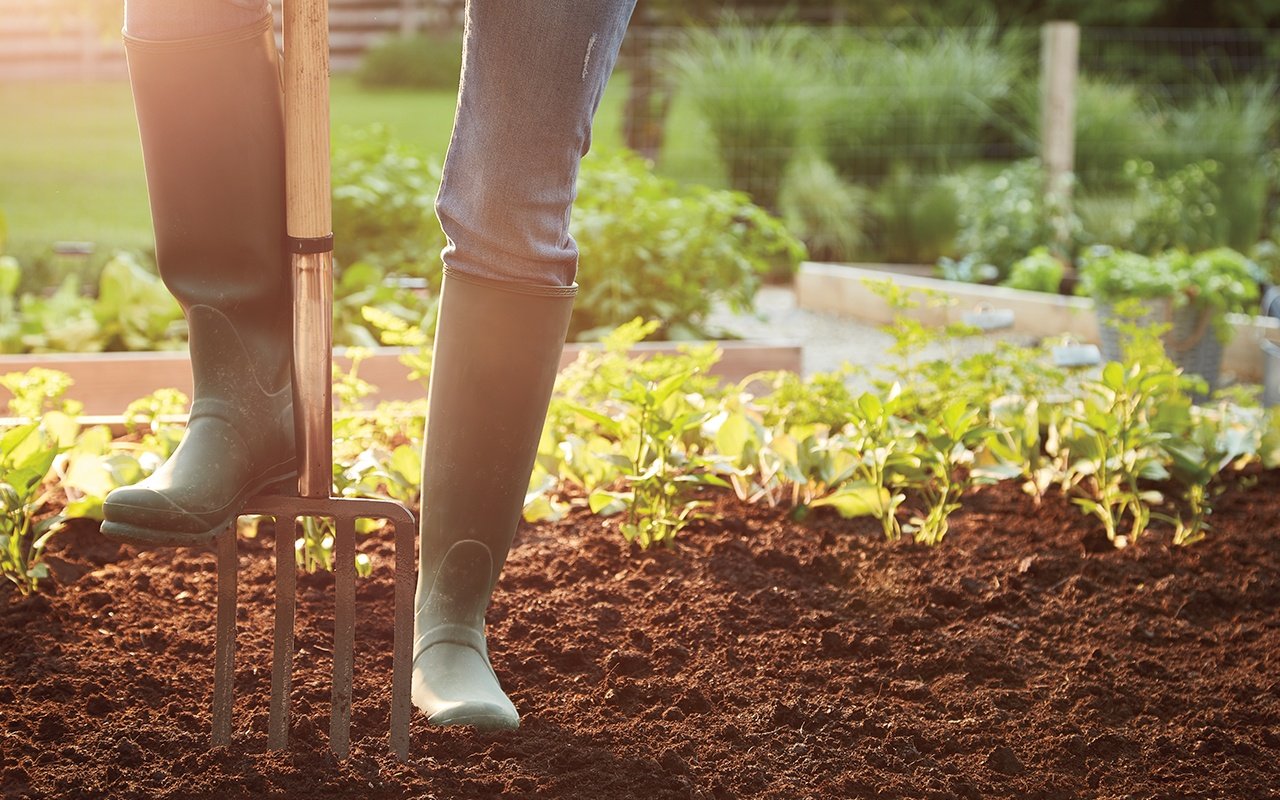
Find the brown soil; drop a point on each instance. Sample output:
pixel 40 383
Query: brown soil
pixel 762 658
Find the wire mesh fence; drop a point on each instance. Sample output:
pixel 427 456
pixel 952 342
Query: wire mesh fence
pixel 889 113
pixel 930 100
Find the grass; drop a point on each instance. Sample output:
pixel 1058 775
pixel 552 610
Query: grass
pixel 71 165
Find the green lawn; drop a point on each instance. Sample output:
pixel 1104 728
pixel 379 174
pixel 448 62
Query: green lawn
pixel 71 166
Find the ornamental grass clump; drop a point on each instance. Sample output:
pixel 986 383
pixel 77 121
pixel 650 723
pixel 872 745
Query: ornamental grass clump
pixel 754 86
pixel 925 98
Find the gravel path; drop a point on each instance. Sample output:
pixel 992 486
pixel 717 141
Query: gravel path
pixel 828 340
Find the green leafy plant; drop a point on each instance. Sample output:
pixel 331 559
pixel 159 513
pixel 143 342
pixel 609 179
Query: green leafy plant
pixel 1116 446
pixel 970 269
pixel 884 448
pixel 652 249
pixel 641 421
pixel 1232 125
pixel 384 205
pixel 1040 271
pixel 1219 282
pixel 26 456
pixel 1213 439
pixel 946 455
pixel 1005 216
pixel 1214 283
pixel 134 310
pixel 368 302
pixel 1026 443
pixel 1179 210
pixel 1110 275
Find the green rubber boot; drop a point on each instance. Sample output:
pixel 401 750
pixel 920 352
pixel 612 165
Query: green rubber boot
pixel 497 351
pixel 209 112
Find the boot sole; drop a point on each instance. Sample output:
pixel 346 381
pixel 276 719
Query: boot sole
pixel 125 533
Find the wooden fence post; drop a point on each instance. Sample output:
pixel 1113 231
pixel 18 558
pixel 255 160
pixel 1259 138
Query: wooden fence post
pixel 1060 63
pixel 410 19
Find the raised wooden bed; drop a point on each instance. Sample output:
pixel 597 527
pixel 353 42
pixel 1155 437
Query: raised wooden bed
pixel 107 382
pixel 844 290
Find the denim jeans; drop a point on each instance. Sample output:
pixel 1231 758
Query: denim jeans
pixel 533 72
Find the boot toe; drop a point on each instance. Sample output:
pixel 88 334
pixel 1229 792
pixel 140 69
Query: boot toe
pixel 147 508
pixel 454 685
pixel 480 715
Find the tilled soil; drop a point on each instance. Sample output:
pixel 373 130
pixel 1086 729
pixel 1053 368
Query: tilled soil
pixel 763 657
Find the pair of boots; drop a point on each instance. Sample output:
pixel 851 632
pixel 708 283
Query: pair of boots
pixel 214 162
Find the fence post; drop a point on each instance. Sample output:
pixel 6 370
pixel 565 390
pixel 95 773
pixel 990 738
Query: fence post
pixel 409 18
pixel 1060 63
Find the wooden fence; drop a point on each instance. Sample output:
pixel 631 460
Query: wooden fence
pixel 41 39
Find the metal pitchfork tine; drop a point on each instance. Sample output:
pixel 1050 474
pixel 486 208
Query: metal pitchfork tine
pixel 306 93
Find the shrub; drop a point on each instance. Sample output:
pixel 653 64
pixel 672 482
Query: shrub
pixel 1178 210
pixel 1004 216
pixel 1233 126
pixel 750 85
pixel 425 61
pixel 655 250
pixel 1114 123
pixel 1038 272
pixel 829 215
pixel 384 205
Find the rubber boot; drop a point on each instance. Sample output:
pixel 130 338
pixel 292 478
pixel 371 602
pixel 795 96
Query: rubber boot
pixel 497 351
pixel 209 112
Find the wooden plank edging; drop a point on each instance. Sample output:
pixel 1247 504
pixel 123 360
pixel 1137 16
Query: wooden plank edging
pixel 107 382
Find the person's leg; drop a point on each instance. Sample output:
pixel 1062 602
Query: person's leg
pixel 533 72
pixel 189 19
pixel 206 88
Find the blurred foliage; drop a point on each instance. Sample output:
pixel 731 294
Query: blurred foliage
pixel 751 84
pixel 654 249
pixel 830 215
pixel 425 61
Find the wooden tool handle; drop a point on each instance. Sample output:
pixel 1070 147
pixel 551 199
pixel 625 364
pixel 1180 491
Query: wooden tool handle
pixel 310 227
pixel 306 110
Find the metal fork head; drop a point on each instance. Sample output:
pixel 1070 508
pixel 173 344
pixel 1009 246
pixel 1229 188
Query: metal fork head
pixel 344 512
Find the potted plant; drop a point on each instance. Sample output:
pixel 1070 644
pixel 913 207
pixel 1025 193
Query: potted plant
pixel 1191 293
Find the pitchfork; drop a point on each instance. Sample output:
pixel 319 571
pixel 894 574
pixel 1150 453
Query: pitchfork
pixel 306 102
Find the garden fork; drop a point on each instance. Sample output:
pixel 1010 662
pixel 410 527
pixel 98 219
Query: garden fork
pixel 310 240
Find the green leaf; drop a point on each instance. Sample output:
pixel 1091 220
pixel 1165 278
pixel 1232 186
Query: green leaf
pixel 668 387
pixel 1113 375
pixel 14 437
pixel 608 424
pixel 542 509
pixel 407 462
pixel 870 405
pixel 606 504
pixel 855 500
pixel 733 435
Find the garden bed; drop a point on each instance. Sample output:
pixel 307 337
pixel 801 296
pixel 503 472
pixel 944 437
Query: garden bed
pixel 107 382
pixel 844 290
pixel 1025 657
